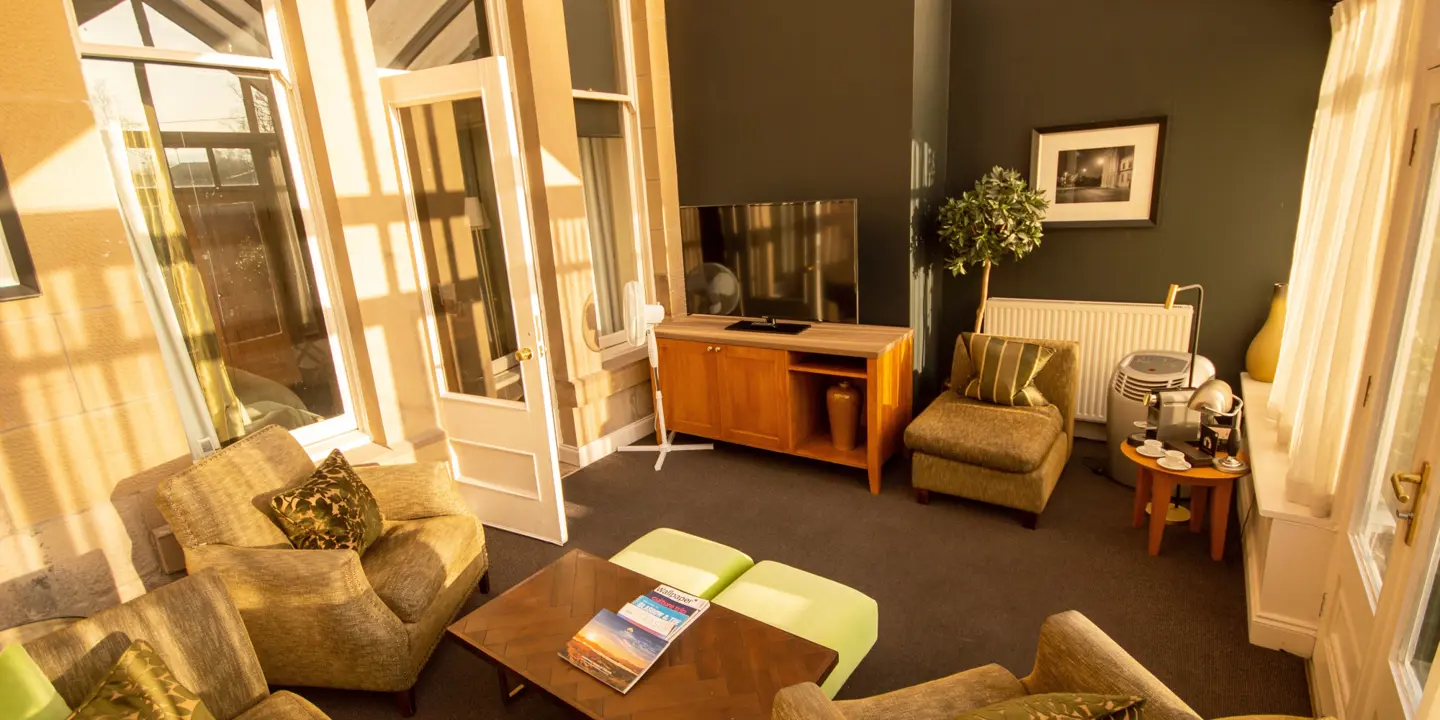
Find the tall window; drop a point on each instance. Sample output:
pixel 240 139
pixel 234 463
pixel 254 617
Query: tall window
pixel 196 123
pixel 601 69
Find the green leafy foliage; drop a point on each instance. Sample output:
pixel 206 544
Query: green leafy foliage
pixel 999 218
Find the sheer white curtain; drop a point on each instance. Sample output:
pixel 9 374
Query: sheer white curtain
pixel 1355 152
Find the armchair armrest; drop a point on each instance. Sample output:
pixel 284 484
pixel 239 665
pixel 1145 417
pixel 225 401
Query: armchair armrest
pixel 1076 656
pixel 311 614
pixel 414 490
pixel 805 701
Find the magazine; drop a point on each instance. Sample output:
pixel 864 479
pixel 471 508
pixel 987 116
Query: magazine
pixel 617 649
pixel 664 611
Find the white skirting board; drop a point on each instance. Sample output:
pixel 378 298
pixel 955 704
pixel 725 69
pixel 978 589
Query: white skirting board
pixel 607 444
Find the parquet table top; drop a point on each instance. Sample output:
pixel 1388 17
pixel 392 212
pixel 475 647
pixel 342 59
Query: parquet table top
pixel 724 666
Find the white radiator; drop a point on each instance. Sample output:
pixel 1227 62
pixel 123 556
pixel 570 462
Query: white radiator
pixel 1107 332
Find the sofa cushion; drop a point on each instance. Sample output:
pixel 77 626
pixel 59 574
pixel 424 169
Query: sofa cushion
pixel 333 510
pixel 1061 706
pixel 141 686
pixel 414 559
pixel 1003 371
pixel 1010 439
pixel 284 705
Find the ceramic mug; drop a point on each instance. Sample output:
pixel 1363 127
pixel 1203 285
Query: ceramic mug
pixel 1175 457
pixel 1153 444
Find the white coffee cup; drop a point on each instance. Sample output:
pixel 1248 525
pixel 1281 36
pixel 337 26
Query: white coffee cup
pixel 1175 457
pixel 1153 444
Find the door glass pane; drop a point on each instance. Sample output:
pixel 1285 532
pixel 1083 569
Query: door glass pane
pixel 609 206
pixel 235 27
pixel 593 40
pixel 448 150
pixel 1418 339
pixel 420 34
pixel 211 187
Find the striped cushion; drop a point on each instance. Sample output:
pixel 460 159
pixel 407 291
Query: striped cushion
pixel 1003 371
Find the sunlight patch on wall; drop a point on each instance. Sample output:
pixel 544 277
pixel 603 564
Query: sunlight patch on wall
pixel 367 261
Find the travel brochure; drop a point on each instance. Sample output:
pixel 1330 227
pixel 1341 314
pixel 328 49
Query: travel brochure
pixel 618 648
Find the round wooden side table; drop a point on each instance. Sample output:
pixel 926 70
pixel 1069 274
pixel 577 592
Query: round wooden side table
pixel 1208 488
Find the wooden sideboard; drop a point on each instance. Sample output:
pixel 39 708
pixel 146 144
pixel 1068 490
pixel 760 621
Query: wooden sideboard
pixel 768 390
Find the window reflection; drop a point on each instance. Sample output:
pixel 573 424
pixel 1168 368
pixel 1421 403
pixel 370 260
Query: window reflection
pixel 235 27
pixel 420 34
pixel 222 218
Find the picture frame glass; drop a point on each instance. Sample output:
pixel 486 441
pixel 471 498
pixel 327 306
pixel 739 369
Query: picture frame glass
pixel 1098 175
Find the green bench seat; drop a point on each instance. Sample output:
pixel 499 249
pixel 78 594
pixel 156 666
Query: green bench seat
pixel 815 608
pixel 683 561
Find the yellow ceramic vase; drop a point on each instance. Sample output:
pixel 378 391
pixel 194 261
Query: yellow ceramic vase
pixel 1264 352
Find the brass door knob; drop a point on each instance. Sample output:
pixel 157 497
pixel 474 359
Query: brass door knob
pixel 1397 484
pixel 524 354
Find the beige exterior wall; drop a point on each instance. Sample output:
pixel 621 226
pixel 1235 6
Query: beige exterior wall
pixel 87 424
pixel 363 210
pixel 595 397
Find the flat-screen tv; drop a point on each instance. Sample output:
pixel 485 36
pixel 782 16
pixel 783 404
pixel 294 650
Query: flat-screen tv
pixel 793 260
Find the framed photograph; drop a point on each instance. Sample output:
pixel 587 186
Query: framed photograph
pixel 17 272
pixel 1099 174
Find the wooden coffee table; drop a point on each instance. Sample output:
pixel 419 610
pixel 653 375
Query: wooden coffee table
pixel 1208 487
pixel 725 665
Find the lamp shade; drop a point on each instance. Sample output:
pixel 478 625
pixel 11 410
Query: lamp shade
pixel 1214 395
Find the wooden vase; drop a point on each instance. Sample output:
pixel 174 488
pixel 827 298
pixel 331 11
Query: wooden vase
pixel 842 402
pixel 1264 352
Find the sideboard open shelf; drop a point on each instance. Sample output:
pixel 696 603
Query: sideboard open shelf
pixel 768 391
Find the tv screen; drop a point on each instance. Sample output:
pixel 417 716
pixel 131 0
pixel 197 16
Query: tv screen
pixel 793 260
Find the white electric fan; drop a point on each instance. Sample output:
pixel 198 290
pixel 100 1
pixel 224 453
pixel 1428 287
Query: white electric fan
pixel 640 321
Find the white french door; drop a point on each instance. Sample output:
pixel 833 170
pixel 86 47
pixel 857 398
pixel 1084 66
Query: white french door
pixel 1381 624
pixel 455 133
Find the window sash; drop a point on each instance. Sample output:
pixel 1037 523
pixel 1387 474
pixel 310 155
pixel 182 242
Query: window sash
pixel 290 126
pixel 635 165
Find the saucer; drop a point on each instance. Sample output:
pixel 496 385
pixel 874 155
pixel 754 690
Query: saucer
pixel 1147 452
pixel 1181 466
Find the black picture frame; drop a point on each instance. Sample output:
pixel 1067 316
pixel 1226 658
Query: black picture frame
pixel 15 246
pixel 1036 148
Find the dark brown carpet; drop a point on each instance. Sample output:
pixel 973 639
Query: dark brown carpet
pixel 959 584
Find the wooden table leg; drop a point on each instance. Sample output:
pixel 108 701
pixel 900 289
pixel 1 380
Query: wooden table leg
pixel 874 477
pixel 1142 496
pixel 1162 487
pixel 1219 518
pixel 1198 495
pixel 509 689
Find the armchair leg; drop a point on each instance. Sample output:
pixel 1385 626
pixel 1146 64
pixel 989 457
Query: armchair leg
pixel 1030 520
pixel 922 496
pixel 405 702
pixel 485 583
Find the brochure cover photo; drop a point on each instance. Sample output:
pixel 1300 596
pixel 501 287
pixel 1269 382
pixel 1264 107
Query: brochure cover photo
pixel 614 650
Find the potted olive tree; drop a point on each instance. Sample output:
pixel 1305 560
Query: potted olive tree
pixel 999 219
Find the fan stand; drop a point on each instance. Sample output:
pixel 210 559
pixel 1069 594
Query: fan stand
pixel 667 437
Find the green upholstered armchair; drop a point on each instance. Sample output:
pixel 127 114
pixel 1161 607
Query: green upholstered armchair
pixel 1074 656
pixel 1010 456
pixel 195 629
pixel 331 618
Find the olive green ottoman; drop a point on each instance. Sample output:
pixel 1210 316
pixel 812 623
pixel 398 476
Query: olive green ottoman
pixel 820 610
pixel 683 561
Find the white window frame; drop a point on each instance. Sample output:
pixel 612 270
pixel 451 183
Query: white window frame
pixel 614 344
pixel 342 430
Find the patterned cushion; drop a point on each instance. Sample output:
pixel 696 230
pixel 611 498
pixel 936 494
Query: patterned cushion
pixel 1003 371
pixel 1061 706
pixel 140 686
pixel 333 510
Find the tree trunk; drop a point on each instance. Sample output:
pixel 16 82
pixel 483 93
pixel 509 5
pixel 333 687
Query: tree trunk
pixel 984 295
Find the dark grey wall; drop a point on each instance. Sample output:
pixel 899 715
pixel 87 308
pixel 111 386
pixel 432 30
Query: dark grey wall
pixel 1239 80
pixel 778 100
pixel 929 131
